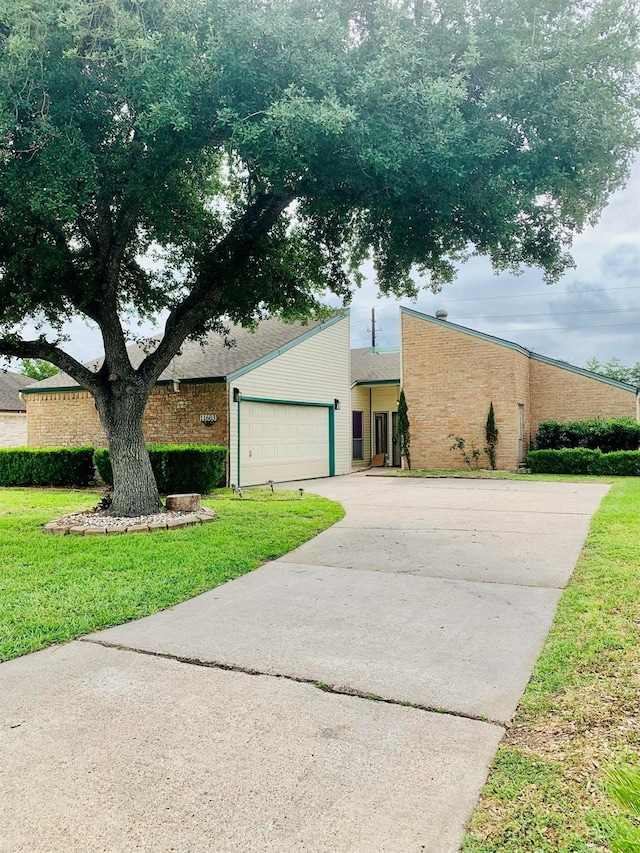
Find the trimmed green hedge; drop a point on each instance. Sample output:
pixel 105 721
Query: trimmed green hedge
pixel 177 467
pixel 607 436
pixel 582 460
pixel 55 466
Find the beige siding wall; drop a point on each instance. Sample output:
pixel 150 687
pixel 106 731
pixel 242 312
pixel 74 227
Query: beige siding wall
pixel 561 395
pixel 316 370
pixel 70 418
pixel 384 398
pixel 360 402
pixel 449 379
pixel 13 429
pixel 370 399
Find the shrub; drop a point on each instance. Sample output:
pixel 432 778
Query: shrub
pixel 177 467
pixel 607 436
pixel 621 463
pixel 103 466
pixel 582 460
pixel 491 434
pixel 56 466
pixel 576 460
pixel 403 430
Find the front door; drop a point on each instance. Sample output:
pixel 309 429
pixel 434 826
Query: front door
pixel 381 435
pixel 396 461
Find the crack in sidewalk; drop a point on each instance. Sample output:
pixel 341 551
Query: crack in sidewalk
pixel 320 685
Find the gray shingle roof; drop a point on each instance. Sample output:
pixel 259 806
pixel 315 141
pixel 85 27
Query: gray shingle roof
pixel 367 365
pixel 214 360
pixel 10 384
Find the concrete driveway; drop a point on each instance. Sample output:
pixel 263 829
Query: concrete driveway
pixel 202 728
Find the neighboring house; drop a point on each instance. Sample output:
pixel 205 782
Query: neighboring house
pixel 375 386
pixel 451 375
pixel 13 413
pixel 278 398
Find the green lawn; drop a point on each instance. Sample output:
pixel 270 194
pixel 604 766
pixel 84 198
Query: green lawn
pixel 580 714
pixel 55 588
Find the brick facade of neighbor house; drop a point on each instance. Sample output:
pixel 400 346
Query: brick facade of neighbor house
pixel 70 418
pixel 450 376
pixel 13 417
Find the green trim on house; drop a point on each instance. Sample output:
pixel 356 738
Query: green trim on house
pixel 588 374
pixel 210 380
pixel 239 401
pixel 284 402
pixel 473 332
pixel 332 441
pixel 330 407
pixel 376 382
pixel 383 350
pixel 65 388
pixel 231 377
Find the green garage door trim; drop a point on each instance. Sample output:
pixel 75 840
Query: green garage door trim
pixel 330 407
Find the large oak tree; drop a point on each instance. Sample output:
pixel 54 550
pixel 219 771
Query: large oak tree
pixel 259 150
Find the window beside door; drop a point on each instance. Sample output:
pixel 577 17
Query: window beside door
pixel 357 426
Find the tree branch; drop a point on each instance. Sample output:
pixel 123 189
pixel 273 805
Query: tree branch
pixel 225 262
pixel 41 348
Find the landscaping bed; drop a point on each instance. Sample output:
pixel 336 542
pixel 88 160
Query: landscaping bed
pixel 55 588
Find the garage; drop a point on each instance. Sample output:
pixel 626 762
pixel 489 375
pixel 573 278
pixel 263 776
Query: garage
pixel 284 440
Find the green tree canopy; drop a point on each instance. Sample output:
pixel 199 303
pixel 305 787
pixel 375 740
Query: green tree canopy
pixel 259 151
pixel 615 369
pixel 37 369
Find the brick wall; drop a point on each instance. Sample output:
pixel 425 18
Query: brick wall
pixel 561 395
pixel 450 378
pixel 70 418
pixel 13 429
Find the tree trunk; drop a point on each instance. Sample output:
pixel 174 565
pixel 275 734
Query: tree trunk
pixel 121 409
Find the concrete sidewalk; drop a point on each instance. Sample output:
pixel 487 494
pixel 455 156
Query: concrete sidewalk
pixel 202 728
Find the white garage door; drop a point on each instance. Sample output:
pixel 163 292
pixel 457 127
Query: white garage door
pixel 283 442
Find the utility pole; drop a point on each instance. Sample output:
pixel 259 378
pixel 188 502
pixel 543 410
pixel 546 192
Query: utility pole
pixel 373 328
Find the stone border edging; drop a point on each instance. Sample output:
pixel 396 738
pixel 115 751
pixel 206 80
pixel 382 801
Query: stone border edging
pixel 58 527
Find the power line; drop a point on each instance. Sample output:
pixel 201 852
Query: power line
pixel 555 314
pixel 519 295
pixel 531 295
pixel 557 328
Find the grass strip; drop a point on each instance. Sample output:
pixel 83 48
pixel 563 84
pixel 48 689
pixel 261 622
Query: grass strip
pixel 579 715
pixel 55 588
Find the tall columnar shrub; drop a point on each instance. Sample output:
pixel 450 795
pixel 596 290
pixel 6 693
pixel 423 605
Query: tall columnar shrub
pixel 491 437
pixel 404 433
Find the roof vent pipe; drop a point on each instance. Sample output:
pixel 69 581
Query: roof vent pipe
pixel 441 315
